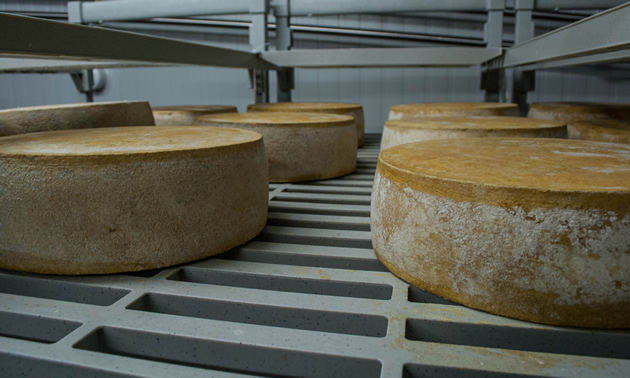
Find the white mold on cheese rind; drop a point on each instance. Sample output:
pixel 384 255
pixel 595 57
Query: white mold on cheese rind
pixel 544 265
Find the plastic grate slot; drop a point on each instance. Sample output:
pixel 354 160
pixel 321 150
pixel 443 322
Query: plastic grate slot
pixel 10 364
pixel 144 273
pixel 319 221
pixel 318 208
pixel 43 287
pixel 268 257
pixel 225 356
pixel 323 198
pixel 422 371
pixel 557 341
pixel 296 235
pixel 286 284
pixel 358 191
pixel 418 295
pixel 264 315
pixel 342 183
pixel 35 328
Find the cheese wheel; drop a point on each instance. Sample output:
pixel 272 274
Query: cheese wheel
pixel 573 111
pixel 187 115
pixel 612 131
pixel 441 109
pixel 530 228
pixel 353 110
pixel 74 116
pixel 414 130
pixel 300 146
pixel 128 198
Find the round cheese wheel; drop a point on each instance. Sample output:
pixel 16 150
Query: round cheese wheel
pixel 74 116
pixel 414 130
pixel 573 111
pixel 530 228
pixel 612 131
pixel 187 115
pixel 440 109
pixel 128 198
pixel 300 146
pixel 353 110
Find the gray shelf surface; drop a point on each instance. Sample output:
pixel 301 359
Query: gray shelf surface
pixel 307 297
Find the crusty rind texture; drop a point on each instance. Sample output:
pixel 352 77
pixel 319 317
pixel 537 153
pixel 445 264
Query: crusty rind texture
pixel 563 267
pixel 573 111
pixel 559 265
pixel 128 212
pixel 187 115
pixel 458 127
pixel 303 152
pixel 353 110
pixel 611 131
pixel 441 109
pixel 75 116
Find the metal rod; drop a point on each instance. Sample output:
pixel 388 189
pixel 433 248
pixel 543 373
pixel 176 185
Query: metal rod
pixel 119 10
pixel 26 36
pixel 602 33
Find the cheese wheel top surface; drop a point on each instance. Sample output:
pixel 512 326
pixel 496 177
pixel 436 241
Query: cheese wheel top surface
pixel 197 108
pixel 610 125
pixel 123 141
pixel 429 107
pixel 526 172
pixel 575 110
pixel 280 119
pixel 68 106
pixel 474 123
pixel 304 106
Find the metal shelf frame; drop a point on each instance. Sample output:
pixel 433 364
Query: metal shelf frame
pixel 602 38
pixel 282 10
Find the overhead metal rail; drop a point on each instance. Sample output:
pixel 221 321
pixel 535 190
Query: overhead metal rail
pixel 31 65
pixel 27 37
pixel 385 57
pixel 603 32
pixel 120 10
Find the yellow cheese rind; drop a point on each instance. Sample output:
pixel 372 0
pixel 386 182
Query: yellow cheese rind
pixel 129 206
pixel 611 131
pixel 74 116
pixel 300 146
pixel 398 132
pixel 510 247
pixel 187 114
pixel 573 111
pixel 440 109
pixel 353 110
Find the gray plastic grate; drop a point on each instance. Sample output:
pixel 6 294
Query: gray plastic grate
pixel 307 297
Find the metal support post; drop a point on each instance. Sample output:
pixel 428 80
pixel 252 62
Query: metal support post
pixel 84 82
pixel 259 41
pixel 284 42
pixel 523 81
pixel 493 81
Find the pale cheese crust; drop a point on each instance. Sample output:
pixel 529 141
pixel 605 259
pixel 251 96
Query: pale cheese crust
pixel 300 146
pixel 353 110
pixel 398 132
pixel 440 109
pixel 75 116
pixel 187 114
pixel 553 250
pixel 124 199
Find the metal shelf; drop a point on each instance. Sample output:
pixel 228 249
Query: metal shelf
pixel 596 37
pixel 28 37
pixel 307 297
pixel 385 57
